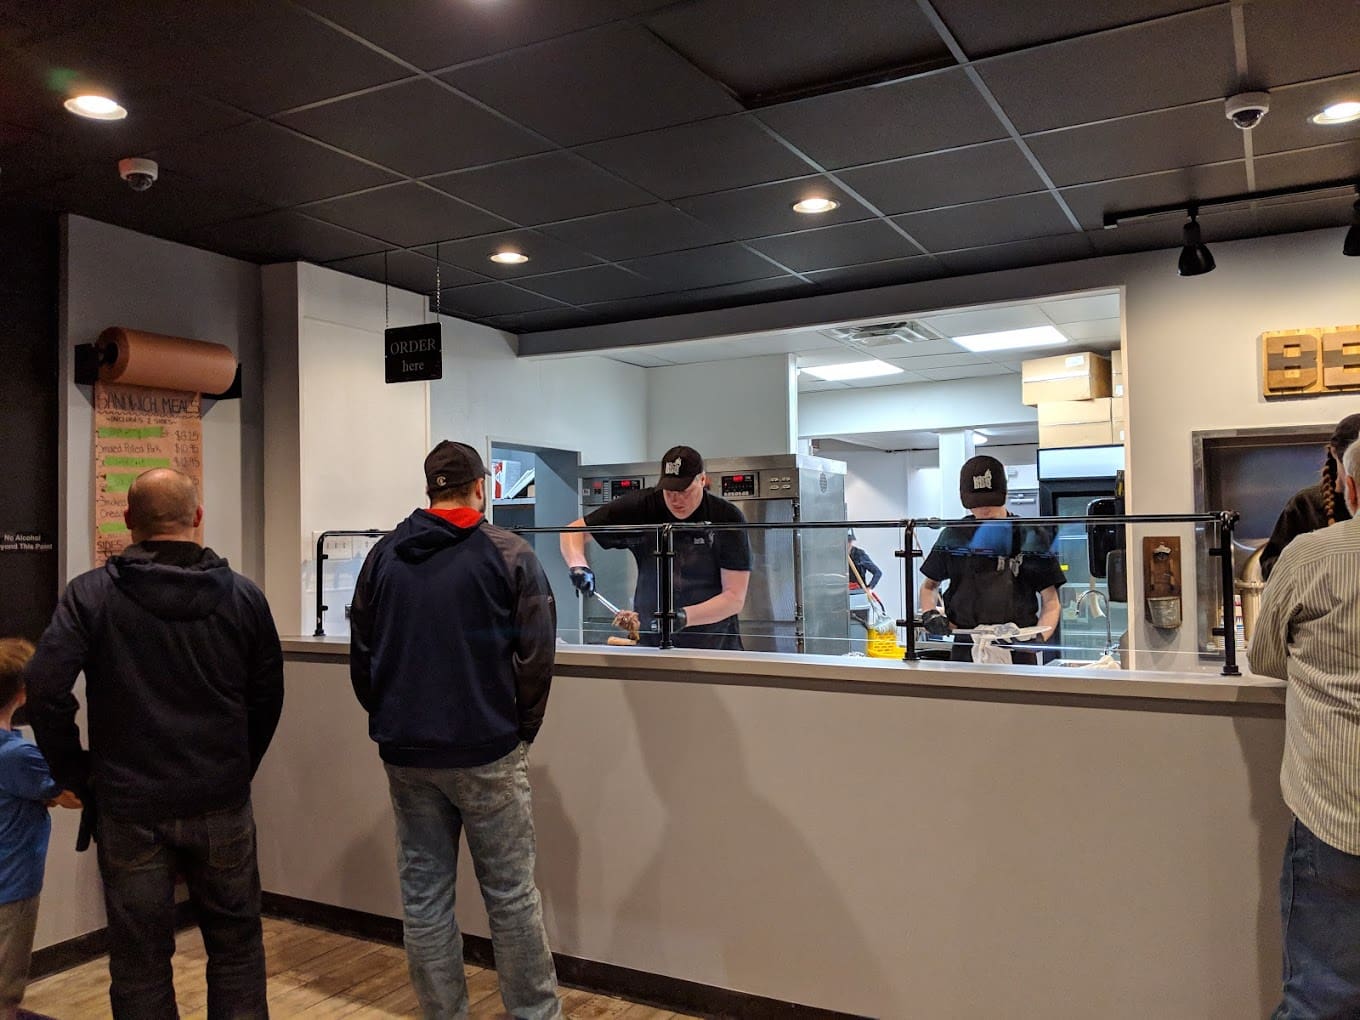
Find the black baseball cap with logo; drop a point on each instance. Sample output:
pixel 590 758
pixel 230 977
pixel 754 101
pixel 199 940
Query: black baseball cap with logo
pixel 982 482
pixel 679 467
pixel 451 464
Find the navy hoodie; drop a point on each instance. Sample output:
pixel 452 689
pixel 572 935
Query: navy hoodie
pixel 452 639
pixel 183 675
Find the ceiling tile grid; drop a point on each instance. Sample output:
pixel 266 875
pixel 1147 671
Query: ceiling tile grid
pixel 646 154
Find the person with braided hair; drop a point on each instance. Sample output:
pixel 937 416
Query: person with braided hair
pixel 1318 506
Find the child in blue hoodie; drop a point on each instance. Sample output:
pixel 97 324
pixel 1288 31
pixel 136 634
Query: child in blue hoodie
pixel 27 790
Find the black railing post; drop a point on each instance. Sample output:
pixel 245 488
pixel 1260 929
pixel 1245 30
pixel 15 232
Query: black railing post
pixel 908 554
pixel 321 606
pixel 1226 523
pixel 665 551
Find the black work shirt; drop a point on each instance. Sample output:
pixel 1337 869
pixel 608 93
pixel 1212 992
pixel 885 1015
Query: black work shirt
pixel 1306 512
pixel 995 571
pixel 700 558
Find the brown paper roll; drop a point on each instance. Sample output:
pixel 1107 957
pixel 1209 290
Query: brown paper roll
pixel 134 358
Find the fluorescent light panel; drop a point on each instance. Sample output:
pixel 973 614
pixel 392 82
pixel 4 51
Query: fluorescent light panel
pixel 1011 340
pixel 852 370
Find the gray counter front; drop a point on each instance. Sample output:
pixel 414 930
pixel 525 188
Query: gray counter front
pixel 891 839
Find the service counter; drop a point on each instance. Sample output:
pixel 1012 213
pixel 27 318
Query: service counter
pixel 889 839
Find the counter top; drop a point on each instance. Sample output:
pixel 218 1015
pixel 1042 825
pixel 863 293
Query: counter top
pixel 880 676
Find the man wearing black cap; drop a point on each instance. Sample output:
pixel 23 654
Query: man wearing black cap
pixel 712 567
pixel 1318 506
pixel 452 640
pixel 998 572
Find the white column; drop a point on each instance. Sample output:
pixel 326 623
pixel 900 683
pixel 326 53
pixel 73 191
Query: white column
pixel 956 446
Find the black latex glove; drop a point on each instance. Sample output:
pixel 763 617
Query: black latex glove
pixel 583 580
pixel 681 620
pixel 935 622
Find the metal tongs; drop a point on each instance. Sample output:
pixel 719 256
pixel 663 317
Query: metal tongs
pixel 615 610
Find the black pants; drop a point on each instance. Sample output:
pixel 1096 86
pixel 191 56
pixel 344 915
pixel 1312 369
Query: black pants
pixel 216 854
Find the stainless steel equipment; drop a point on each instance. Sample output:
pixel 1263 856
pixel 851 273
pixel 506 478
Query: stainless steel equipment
pixel 798 600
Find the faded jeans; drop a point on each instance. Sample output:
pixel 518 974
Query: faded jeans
pixel 216 854
pixel 491 803
pixel 1320 907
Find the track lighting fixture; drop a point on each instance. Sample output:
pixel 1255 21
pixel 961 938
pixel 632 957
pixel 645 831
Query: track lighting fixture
pixel 1195 257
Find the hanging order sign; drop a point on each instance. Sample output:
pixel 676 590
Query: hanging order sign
pixel 136 429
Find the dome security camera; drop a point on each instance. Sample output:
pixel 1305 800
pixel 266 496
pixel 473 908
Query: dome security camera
pixel 1247 109
pixel 139 174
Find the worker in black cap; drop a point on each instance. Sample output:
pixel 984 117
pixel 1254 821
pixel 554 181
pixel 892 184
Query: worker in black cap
pixel 998 571
pixel 1317 506
pixel 712 567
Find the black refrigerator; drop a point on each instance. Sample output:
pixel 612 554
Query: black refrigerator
pixel 1069 481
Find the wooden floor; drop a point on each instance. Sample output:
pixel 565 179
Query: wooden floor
pixel 312 973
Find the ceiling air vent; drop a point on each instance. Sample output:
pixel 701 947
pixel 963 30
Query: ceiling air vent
pixel 882 334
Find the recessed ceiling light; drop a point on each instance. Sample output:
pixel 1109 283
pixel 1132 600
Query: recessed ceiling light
pixel 1011 339
pixel 812 206
pixel 1338 113
pixel 510 258
pixel 95 107
pixel 852 370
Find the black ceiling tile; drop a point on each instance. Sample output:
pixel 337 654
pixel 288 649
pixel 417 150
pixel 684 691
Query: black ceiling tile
pixel 29 159
pixel 282 237
pixel 829 247
pixel 551 318
pixel 484 300
pixel 1090 202
pixel 1160 64
pixel 435 33
pixel 1309 166
pixel 405 269
pixel 1289 123
pixel 593 285
pixel 406 215
pixel 23 20
pixel 866 125
pixel 984 27
pixel 546 254
pixel 880 274
pixel 704 267
pixel 271 164
pixel 755 292
pixel 768 208
pixel 983 223
pixel 1165 140
pixel 1223 224
pixel 694 159
pixel 1289 42
pixel 542 189
pixel 416 128
pixel 765 49
pixel 596 85
pixel 1017 254
pixel 172 207
pixel 260 55
pixel 633 233
pixel 1288 216
pixel 979 172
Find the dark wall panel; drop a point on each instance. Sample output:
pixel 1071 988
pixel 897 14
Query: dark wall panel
pixel 29 255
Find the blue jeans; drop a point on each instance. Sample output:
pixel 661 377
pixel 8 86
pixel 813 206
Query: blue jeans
pixel 215 853
pixel 1320 906
pixel 490 802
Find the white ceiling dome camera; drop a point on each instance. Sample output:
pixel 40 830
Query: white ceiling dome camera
pixel 139 174
pixel 1247 109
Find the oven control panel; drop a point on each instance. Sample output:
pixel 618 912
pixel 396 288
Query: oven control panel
pixel 624 487
pixel 599 491
pixel 743 485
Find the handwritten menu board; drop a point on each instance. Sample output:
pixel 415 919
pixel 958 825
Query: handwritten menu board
pixel 136 429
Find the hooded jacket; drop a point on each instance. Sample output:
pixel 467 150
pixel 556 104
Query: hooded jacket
pixel 183 679
pixel 452 639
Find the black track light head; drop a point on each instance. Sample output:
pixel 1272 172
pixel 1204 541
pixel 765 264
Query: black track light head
pixel 1195 258
pixel 1352 245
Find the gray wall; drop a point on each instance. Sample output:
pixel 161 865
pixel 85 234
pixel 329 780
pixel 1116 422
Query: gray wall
pixel 889 855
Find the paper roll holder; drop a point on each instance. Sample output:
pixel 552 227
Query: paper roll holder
pixel 88 360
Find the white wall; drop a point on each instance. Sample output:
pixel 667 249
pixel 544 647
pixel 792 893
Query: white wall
pixel 114 277
pixel 746 406
pixel 956 404
pixel 876 488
